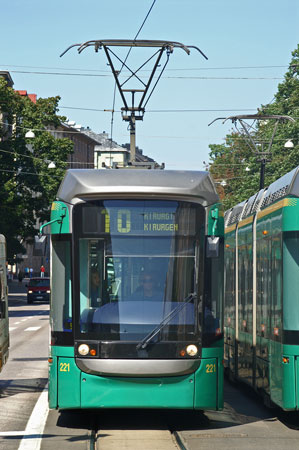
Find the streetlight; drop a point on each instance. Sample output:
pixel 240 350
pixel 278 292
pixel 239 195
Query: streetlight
pixel 289 144
pixel 30 134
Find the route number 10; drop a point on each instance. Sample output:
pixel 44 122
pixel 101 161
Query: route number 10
pixel 123 220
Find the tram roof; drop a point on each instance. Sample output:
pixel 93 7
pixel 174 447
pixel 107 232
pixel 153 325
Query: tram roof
pixel 287 185
pixel 88 183
pixel 233 215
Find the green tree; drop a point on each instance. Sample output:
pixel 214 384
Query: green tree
pixel 27 186
pixel 229 161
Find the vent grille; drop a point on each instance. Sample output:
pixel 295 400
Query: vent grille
pixel 255 206
pixel 275 196
pixel 247 209
pixel 234 218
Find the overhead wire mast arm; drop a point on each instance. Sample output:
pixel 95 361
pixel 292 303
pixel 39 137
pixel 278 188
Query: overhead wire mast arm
pixel 133 113
pixel 133 43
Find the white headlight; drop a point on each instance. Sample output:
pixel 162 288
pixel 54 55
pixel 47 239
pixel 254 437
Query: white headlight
pixel 192 350
pixel 83 349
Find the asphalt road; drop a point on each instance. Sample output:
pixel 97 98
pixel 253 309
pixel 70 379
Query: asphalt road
pixel 25 375
pixel 26 423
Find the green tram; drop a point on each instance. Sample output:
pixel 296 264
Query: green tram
pixel 4 324
pixel 261 317
pixel 137 291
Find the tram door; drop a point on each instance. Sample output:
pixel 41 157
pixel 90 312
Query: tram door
pixel 276 347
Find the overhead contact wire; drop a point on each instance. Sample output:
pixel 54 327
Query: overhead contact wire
pixel 114 94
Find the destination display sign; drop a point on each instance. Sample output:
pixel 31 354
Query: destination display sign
pixel 137 220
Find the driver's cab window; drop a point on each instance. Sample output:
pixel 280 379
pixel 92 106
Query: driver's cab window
pixel 92 274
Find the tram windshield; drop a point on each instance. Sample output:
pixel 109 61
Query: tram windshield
pixel 137 261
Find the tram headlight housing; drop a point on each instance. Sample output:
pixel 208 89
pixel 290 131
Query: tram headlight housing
pixel 87 349
pixel 83 349
pixel 192 350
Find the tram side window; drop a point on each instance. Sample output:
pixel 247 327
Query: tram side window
pixel 61 303
pixel 245 286
pixel 263 253
pixel 242 287
pixel 276 283
pixel 92 282
pixel 229 270
pixel 290 280
pixel 213 298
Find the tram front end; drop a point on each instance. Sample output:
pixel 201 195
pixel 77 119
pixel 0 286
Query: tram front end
pixel 136 291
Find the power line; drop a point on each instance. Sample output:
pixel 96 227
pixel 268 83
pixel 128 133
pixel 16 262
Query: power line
pixel 46 161
pixel 197 110
pixel 224 78
pixel 145 70
pixel 232 67
pixel 165 110
pixel 233 136
pixel 161 110
pixel 123 64
pixel 23 173
pixel 59 73
pixel 165 77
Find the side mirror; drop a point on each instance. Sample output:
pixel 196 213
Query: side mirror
pixel 212 247
pixel 40 239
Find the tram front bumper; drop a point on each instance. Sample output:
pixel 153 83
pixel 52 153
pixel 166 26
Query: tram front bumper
pixel 77 389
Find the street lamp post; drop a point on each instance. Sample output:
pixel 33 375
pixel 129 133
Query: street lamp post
pixel 253 143
pixel 262 173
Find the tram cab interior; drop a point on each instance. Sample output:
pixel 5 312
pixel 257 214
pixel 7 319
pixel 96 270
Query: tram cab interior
pixel 135 276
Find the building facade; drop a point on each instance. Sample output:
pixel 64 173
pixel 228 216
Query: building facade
pixel 108 154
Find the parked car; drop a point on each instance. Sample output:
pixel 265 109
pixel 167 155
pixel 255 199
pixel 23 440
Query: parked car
pixel 38 289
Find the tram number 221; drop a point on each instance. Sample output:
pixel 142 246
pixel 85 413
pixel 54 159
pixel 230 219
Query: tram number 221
pixel 210 368
pixel 64 367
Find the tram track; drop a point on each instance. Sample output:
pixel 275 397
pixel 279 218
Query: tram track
pixel 147 430
pixel 135 439
pixel 179 441
pixel 242 422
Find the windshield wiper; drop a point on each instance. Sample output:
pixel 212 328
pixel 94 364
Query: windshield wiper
pixel 147 339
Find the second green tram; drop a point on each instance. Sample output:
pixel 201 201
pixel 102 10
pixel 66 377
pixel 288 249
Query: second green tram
pixel 262 291
pixel 136 291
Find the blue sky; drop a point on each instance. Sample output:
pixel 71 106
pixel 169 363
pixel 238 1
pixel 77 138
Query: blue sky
pixel 239 38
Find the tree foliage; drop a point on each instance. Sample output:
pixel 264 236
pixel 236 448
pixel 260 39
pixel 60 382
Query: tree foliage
pixel 27 186
pixel 229 161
